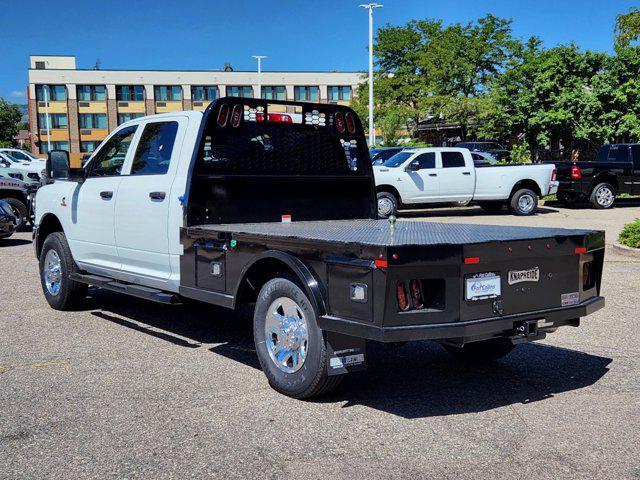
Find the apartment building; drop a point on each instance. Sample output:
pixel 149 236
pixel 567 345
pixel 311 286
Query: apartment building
pixel 74 109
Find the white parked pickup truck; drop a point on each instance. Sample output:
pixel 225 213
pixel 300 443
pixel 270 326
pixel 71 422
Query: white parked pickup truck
pixel 436 175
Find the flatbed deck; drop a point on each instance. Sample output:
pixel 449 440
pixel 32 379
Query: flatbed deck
pixel 378 233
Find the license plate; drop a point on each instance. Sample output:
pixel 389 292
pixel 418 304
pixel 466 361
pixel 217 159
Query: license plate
pixel 483 286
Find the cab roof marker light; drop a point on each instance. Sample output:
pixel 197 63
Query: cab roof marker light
pixel 471 260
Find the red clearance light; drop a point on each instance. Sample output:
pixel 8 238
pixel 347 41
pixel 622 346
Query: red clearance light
pixel 381 263
pixel 580 250
pixel 554 174
pixel 401 294
pixel 351 123
pixel 236 115
pixel 471 260
pixel 223 115
pixel 340 122
pixel 576 173
pixel 274 117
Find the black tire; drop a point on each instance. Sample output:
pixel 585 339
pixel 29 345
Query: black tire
pixel 491 207
pixel 391 204
pixel 523 202
pixel 482 352
pixel 70 294
pixel 603 196
pixel 311 379
pixel 20 211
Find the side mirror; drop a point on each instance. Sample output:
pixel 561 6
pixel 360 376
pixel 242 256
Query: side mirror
pixel 57 167
pixel 413 166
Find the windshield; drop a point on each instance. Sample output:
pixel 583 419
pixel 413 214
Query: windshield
pixel 398 159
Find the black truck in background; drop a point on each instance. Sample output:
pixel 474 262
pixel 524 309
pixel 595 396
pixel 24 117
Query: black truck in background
pixel 615 170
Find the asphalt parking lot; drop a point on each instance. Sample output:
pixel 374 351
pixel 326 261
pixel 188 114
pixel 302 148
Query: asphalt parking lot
pixel 130 389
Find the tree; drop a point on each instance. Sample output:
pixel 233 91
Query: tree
pixel 10 116
pixel 627 28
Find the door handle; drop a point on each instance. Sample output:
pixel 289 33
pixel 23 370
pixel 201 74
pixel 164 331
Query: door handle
pixel 157 195
pixel 466 173
pixel 433 174
pixel 106 195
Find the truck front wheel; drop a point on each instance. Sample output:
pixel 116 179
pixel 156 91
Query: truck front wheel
pixel 523 202
pixel 291 348
pixel 19 210
pixel 482 352
pixel 56 263
pixel 387 204
pixel 603 196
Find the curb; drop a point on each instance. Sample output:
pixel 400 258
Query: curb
pixel 627 251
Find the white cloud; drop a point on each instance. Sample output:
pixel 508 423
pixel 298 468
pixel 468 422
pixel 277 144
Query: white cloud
pixel 18 94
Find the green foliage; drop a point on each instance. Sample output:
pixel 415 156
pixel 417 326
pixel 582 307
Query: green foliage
pixel 627 28
pixel 415 143
pixel 630 234
pixel 521 153
pixel 10 116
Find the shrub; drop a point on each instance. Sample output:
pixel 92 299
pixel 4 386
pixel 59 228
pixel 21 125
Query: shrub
pixel 630 234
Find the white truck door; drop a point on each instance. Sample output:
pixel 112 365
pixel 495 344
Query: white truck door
pixel 457 176
pixel 423 185
pixel 91 229
pixel 142 208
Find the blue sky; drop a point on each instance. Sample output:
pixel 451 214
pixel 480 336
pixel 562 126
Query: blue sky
pixel 296 35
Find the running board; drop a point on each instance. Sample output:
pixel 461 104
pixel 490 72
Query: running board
pixel 139 291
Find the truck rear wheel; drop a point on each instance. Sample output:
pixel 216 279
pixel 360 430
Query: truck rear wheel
pixel 603 196
pixel 523 202
pixel 19 210
pixel 56 263
pixel 291 348
pixel 387 204
pixel 482 352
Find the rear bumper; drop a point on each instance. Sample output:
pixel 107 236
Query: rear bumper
pixel 553 187
pixel 464 331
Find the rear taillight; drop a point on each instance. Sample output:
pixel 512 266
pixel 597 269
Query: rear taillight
pixel 403 298
pixel 339 117
pixel 576 173
pixel 274 117
pixel 416 294
pixel 554 175
pixel 223 115
pixel 351 123
pixel 587 273
pixel 236 115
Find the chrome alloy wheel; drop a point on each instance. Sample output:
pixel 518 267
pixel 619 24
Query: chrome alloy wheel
pixel 526 203
pixel 385 207
pixel 52 272
pixel 286 335
pixel 604 196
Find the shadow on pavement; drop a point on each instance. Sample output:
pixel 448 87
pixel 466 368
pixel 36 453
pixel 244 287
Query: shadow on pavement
pixel 471 211
pixel 13 242
pixel 416 380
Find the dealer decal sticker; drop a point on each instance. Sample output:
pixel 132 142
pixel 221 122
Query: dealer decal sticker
pixel 518 276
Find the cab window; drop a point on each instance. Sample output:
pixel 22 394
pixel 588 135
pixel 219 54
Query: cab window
pixel 108 161
pixel 452 159
pixel 153 154
pixel 426 160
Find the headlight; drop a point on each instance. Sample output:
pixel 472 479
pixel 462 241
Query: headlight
pixel 16 175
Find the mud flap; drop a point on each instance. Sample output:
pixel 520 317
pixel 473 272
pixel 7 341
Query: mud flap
pixel 346 354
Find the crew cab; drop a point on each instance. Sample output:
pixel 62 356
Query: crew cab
pixel 615 170
pixel 235 206
pixel 436 175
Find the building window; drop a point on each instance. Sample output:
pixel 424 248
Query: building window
pixel 273 93
pixel 168 93
pixel 204 93
pixel 40 66
pixel 125 117
pixel 92 93
pixel 306 94
pixel 93 120
pixel 238 91
pixel 339 94
pixel 52 93
pixel 88 147
pixel 56 120
pixel 44 146
pixel 130 93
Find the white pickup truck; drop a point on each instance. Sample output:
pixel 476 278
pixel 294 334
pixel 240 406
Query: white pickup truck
pixel 437 175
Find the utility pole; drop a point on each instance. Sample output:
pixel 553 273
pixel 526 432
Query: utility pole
pixel 372 131
pixel 259 59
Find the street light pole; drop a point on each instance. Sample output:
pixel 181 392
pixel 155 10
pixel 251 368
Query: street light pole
pixel 372 131
pixel 47 122
pixel 259 59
